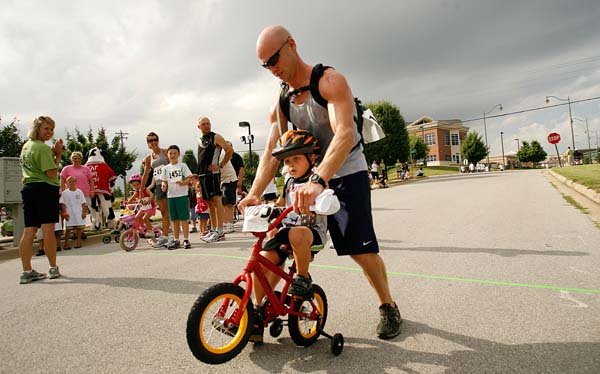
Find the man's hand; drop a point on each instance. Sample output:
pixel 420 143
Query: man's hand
pixel 213 167
pixel 249 200
pixel 305 196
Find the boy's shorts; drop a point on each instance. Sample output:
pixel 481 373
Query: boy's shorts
pixel 211 185
pixel 282 237
pixel 179 208
pixel 228 191
pixel 351 228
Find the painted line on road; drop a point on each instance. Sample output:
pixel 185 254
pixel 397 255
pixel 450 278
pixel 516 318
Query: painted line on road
pixel 414 275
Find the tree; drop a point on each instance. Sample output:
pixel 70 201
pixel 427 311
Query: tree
pixel 10 140
pixel 117 192
pixel 473 148
pixel 418 148
pixel 395 145
pixel 531 153
pixel 250 168
pixel 115 153
pixel 190 160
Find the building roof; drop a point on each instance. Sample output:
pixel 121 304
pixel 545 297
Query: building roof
pixel 428 122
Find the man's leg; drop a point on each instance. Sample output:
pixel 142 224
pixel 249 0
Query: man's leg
pixel 218 209
pixel 374 269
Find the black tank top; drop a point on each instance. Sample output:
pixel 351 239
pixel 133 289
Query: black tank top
pixel 208 153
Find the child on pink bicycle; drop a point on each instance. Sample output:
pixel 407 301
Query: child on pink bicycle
pixel 145 199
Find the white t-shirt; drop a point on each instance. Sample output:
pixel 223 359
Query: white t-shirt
pixel 174 173
pixel 73 200
pixel 227 172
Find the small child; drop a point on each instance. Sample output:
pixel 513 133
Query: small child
pixel 142 195
pixel 74 210
pixel 201 209
pixel 176 178
pixel 192 200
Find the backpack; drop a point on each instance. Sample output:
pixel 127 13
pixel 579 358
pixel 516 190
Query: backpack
pixel 370 131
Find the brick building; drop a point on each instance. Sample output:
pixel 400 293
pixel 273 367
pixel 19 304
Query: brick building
pixel 443 137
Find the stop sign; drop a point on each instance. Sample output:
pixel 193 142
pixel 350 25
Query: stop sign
pixel 553 138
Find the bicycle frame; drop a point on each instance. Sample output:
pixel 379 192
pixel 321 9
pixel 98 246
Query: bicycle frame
pixel 256 265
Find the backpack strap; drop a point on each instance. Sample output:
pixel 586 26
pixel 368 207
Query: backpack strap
pixel 317 72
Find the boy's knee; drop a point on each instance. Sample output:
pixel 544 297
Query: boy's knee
pixel 300 236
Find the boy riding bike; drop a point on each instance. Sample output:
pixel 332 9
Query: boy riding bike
pixel 144 197
pixel 303 234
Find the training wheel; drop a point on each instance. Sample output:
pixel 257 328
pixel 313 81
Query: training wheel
pixel 337 344
pixel 276 327
pixel 106 239
pixel 116 238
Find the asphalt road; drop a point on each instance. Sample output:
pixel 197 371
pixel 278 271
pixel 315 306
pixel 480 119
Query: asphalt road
pixel 494 273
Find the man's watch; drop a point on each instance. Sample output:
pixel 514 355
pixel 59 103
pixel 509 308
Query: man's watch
pixel 316 178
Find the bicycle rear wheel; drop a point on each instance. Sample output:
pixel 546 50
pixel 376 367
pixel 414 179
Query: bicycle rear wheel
pixel 305 330
pixel 211 335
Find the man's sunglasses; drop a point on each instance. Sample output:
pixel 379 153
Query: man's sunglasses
pixel 273 60
pixel 151 140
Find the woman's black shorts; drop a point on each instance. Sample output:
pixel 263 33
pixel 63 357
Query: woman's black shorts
pixel 40 204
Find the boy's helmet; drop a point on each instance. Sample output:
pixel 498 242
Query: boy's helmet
pixel 297 142
pixel 135 178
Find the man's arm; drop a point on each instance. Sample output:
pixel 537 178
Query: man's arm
pixel 220 141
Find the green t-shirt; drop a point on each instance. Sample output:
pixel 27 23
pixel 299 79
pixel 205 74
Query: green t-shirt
pixel 36 159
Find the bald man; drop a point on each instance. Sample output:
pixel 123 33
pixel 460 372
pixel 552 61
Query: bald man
pixel 210 164
pixel 341 166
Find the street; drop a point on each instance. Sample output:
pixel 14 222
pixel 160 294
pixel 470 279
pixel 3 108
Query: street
pixel 493 273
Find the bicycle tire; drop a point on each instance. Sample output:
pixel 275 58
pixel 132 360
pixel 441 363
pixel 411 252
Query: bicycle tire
pixel 129 240
pixel 301 333
pixel 200 318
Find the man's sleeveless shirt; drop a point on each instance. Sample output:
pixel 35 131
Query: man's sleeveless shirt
pixel 313 117
pixel 208 153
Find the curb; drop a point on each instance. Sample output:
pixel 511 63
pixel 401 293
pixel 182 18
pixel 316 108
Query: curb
pixel 9 252
pixel 587 192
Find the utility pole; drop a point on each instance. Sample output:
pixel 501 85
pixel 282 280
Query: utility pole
pixel 123 136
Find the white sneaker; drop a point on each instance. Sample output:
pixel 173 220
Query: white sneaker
pixel 160 242
pixel 207 235
pixel 228 228
pixel 214 237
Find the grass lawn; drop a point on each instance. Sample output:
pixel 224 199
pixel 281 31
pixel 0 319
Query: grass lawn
pixel 588 175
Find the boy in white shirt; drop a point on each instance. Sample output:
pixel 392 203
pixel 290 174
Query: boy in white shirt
pixel 176 178
pixel 74 209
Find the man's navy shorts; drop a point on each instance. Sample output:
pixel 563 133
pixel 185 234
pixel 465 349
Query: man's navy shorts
pixel 40 204
pixel 211 185
pixel 351 228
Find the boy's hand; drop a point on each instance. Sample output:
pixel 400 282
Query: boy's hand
pixel 65 215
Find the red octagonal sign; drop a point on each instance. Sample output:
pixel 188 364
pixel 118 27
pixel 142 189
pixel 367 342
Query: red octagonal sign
pixel 553 138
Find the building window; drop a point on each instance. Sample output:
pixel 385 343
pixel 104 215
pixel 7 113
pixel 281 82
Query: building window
pixel 430 139
pixel 456 158
pixel 431 158
pixel 448 158
pixel 455 139
pixel 447 140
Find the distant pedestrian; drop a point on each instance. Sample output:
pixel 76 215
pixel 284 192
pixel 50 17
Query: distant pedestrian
pixel 398 167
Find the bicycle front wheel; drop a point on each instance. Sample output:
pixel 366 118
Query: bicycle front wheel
pixel 212 335
pixel 129 240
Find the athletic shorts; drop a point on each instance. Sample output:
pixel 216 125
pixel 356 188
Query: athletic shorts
pixel 158 192
pixel 193 214
pixel 282 237
pixel 211 185
pixel 351 228
pixel 179 208
pixel 229 193
pixel 40 204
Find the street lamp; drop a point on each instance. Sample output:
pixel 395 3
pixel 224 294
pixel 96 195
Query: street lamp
pixel 588 136
pixel 487 148
pixel 568 99
pixel 247 140
pixel 502 140
pixel 518 149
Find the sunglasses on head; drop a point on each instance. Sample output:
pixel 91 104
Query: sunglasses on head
pixel 273 60
pixel 151 140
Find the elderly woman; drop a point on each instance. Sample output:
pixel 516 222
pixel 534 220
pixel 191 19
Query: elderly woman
pixel 154 162
pixel 39 164
pixel 82 174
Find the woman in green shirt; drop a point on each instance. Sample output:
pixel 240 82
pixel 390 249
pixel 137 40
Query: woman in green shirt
pixel 39 164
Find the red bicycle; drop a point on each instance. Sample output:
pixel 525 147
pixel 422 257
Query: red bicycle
pixel 220 322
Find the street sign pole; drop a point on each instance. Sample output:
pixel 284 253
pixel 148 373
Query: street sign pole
pixel 558 155
pixel 554 138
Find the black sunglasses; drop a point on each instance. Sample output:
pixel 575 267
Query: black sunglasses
pixel 273 60
pixel 151 140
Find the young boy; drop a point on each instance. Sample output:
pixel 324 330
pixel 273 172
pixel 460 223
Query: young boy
pixel 176 178
pixel 74 210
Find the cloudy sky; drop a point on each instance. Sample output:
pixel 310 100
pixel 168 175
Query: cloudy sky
pixel 149 65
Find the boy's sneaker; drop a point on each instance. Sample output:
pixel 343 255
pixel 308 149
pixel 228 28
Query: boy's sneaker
pixel 389 324
pixel 258 329
pixel 160 242
pixel 301 286
pixel 53 273
pixel 31 276
pixel 187 244
pixel 173 244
